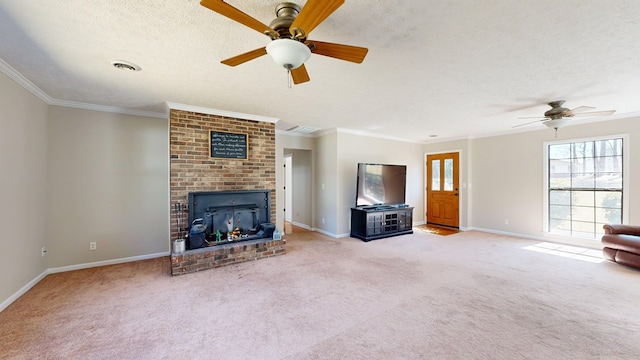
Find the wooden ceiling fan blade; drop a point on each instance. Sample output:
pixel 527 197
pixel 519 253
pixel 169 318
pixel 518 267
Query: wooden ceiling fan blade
pixel 232 13
pixel 300 75
pixel 354 54
pixel 529 123
pixel 581 109
pixel 312 14
pixel 596 113
pixel 243 58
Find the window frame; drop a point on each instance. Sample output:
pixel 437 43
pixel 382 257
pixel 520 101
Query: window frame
pixel 545 182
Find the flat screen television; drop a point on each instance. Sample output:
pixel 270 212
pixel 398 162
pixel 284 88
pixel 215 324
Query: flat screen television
pixel 381 184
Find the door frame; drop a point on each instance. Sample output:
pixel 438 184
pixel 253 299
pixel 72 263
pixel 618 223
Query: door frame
pixel 288 187
pixel 462 184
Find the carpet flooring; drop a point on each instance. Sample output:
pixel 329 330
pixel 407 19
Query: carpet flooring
pixel 468 295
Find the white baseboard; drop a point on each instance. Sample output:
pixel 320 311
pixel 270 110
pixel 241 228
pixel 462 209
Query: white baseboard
pixel 309 228
pixel 506 233
pixel 545 237
pixel 38 278
pixel 324 232
pixel 23 290
pixel 106 262
pixel 301 225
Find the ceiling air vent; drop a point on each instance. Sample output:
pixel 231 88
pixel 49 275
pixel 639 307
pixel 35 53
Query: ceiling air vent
pixel 125 65
pixel 303 129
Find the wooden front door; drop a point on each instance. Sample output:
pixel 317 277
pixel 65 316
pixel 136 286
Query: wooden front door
pixel 442 189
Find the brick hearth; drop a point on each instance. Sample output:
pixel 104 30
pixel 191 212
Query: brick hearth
pixel 227 254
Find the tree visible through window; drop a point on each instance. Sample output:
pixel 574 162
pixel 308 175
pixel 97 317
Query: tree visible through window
pixel 585 186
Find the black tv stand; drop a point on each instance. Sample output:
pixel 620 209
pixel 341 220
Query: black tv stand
pixel 381 221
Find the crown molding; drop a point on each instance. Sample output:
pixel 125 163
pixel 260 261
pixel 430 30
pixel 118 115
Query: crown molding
pixel 218 112
pixel 109 109
pixel 372 135
pixel 14 75
pixel 326 132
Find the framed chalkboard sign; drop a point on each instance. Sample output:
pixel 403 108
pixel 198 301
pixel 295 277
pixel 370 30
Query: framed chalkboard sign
pixel 228 145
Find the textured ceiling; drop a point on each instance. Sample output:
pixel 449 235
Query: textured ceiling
pixel 454 69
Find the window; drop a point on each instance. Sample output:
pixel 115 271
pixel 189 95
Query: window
pixel 585 186
pixel 448 175
pixel 435 175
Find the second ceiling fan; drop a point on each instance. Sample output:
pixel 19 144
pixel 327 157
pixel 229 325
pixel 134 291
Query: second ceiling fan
pixel 559 116
pixel 289 45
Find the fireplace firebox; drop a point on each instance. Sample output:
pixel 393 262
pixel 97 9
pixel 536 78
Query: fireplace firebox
pixel 229 216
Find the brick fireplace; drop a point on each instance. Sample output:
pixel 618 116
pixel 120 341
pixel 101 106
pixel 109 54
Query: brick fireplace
pixel 193 169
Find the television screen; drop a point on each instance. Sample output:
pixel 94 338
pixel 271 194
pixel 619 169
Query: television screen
pixel 380 184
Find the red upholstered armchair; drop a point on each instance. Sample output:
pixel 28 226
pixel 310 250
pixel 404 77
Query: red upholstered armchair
pixel 621 244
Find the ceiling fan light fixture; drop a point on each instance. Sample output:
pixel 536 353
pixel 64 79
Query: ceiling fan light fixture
pixel 288 53
pixel 556 123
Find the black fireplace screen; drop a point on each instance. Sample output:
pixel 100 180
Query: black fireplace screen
pixel 227 211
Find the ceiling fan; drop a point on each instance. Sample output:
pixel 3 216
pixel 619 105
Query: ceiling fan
pixel 289 45
pixel 559 116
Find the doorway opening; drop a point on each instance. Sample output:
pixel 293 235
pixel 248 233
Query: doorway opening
pixel 298 192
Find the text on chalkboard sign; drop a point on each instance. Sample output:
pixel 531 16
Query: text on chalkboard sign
pixel 228 145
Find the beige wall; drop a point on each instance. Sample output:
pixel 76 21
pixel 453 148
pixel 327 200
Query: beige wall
pixel 326 181
pixel 23 187
pixel 108 182
pixel 506 175
pixel 353 149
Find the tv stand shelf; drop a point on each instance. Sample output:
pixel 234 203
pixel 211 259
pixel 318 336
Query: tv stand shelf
pixel 377 222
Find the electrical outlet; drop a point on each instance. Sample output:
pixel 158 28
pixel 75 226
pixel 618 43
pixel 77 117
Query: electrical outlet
pixel 43 251
pixel 92 245
pixel 323 220
pixel 506 221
